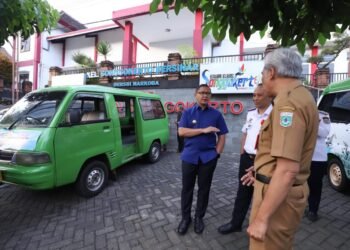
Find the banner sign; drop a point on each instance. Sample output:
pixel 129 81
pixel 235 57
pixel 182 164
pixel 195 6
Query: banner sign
pixel 136 84
pixel 156 70
pixel 231 78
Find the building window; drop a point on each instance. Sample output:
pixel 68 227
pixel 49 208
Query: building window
pixel 25 44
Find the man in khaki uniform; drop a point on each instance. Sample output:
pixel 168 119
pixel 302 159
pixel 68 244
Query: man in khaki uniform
pixel 285 147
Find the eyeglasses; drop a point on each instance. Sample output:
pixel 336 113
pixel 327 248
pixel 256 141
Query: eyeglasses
pixel 204 93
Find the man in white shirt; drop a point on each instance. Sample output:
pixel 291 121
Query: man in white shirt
pixel 251 128
pixel 318 166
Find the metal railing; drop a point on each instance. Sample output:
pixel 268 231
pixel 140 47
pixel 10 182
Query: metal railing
pixel 186 61
pixel 308 79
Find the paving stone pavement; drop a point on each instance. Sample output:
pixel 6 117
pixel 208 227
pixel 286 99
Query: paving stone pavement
pixel 141 210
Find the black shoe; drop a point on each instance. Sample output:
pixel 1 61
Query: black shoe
pixel 312 216
pixel 229 228
pixel 198 225
pixel 183 226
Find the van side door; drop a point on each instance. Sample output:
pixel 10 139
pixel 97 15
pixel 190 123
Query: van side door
pixel 86 131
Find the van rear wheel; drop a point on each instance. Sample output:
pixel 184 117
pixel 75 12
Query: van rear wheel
pixel 336 175
pixel 154 152
pixel 92 179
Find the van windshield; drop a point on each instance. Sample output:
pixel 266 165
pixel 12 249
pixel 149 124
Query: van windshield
pixel 34 110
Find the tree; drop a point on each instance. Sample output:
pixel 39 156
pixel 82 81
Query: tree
pixel 26 17
pixel 291 22
pixel 341 42
pixel 5 68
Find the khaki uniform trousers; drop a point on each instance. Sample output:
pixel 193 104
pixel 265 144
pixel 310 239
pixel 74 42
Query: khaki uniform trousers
pixel 284 222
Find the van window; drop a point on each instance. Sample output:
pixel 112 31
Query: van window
pixel 337 105
pixel 33 110
pixel 89 108
pixel 151 109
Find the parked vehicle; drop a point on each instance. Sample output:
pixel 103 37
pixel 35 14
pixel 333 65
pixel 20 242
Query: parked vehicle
pixel 3 111
pixel 336 101
pixel 79 134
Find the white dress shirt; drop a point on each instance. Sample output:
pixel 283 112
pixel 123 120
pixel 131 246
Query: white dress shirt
pixel 252 128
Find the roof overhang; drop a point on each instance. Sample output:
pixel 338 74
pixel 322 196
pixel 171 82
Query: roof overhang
pixel 159 26
pixel 89 32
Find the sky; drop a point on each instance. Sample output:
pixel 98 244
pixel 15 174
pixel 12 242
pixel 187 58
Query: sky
pixel 92 11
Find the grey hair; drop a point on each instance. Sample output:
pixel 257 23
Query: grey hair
pixel 285 61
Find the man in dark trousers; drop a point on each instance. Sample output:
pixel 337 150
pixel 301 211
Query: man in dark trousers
pixel 251 128
pixel 282 165
pixel 180 139
pixel 204 129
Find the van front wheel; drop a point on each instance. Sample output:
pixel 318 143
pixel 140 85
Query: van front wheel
pixel 336 175
pixel 154 152
pixel 92 179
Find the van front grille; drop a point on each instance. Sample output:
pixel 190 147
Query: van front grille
pixel 6 155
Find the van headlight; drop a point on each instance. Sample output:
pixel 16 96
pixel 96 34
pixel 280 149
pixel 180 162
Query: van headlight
pixel 26 158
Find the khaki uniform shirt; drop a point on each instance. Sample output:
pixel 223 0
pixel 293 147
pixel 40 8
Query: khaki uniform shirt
pixel 290 132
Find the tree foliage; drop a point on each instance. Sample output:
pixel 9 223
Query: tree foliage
pixel 104 48
pixel 341 42
pixel 26 17
pixel 5 68
pixel 291 22
pixel 83 60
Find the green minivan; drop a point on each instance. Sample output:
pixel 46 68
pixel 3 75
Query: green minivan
pixel 79 134
pixel 335 100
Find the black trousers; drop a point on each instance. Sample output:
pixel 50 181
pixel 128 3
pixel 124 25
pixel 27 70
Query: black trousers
pixel 180 143
pixel 244 193
pixel 190 172
pixel 318 170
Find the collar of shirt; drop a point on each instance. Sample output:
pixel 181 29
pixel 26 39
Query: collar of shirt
pixel 286 91
pixel 266 112
pixel 199 107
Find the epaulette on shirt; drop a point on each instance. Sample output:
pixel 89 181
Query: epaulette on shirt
pixel 249 110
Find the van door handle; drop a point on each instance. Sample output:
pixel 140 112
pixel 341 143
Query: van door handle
pixel 106 128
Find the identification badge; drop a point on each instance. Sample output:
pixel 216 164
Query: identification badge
pixel 286 119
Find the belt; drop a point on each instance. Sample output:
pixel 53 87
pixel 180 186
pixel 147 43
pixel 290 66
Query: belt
pixel 266 180
pixel 251 156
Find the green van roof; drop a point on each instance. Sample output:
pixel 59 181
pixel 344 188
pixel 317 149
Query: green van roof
pixel 101 89
pixel 337 86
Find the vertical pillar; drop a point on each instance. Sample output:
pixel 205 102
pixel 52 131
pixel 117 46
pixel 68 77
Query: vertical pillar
pixel 63 53
pixel 314 52
pixel 134 51
pixel 197 33
pixel 95 51
pixel 127 44
pixel 241 46
pixel 37 55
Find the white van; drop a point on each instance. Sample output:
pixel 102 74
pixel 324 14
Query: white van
pixel 336 101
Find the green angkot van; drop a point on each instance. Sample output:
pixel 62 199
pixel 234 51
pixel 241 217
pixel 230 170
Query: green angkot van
pixel 79 134
pixel 336 101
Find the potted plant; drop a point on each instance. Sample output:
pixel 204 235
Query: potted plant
pixel 341 42
pixel 104 48
pixel 83 60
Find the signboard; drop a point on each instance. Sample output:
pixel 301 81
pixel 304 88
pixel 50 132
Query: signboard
pixel 136 84
pixel 231 78
pixel 66 80
pixel 155 70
